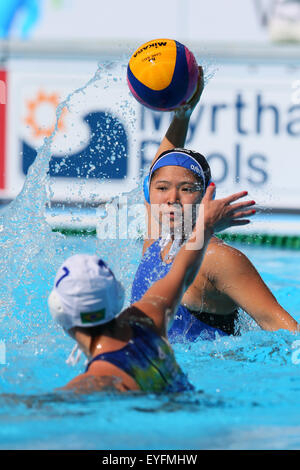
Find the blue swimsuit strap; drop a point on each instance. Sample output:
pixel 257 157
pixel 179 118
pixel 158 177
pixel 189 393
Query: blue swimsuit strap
pixel 141 336
pixel 113 354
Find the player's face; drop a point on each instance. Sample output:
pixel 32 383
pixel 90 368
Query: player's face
pixel 174 193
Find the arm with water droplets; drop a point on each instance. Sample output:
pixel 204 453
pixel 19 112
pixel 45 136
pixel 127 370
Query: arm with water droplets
pixel 235 276
pixel 178 129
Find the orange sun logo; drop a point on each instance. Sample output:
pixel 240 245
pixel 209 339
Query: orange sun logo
pixel 39 109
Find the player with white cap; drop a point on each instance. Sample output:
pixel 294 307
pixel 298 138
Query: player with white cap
pixel 128 349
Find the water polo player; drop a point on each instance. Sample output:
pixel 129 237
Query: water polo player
pixel 226 281
pixel 128 350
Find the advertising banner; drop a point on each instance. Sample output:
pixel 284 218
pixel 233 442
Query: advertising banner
pixel 247 125
pixel 86 120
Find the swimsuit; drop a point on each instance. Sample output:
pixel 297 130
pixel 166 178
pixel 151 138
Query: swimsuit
pixel 149 360
pixel 187 325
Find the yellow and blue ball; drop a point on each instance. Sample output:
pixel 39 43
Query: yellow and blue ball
pixel 162 74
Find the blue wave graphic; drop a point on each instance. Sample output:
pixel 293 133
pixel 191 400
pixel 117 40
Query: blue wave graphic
pixel 105 156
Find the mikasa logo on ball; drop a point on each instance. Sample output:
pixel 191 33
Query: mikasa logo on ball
pixel 154 44
pixel 162 74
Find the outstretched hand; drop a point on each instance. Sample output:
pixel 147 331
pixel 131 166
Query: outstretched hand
pixel 222 213
pixel 186 109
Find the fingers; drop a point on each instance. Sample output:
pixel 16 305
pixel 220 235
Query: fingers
pixel 227 201
pixel 209 193
pixel 200 85
pixel 235 197
pixel 237 222
pixel 200 78
pixel 191 103
pixel 233 213
pixel 239 214
pixel 185 110
pixel 241 205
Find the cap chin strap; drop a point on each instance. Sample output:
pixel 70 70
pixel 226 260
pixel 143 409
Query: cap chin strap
pixel 73 359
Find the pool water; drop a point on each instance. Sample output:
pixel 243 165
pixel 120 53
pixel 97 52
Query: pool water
pixel 247 387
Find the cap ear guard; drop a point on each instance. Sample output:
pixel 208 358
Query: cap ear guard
pixel 57 310
pixel 146 188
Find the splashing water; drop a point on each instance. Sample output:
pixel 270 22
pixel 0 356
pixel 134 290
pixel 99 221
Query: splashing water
pixel 210 68
pixel 247 387
pixel 26 239
pixel 30 251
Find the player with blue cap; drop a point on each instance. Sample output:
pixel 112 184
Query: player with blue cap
pixel 184 158
pixel 224 286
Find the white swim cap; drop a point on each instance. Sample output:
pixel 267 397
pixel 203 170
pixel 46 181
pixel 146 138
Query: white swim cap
pixel 86 293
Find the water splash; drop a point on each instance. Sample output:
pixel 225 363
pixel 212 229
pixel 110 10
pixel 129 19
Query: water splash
pixel 27 244
pixel 30 251
pixel 121 252
pixel 210 67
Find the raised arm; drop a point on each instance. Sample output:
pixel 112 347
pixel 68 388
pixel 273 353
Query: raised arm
pixel 176 136
pixel 177 131
pixel 162 299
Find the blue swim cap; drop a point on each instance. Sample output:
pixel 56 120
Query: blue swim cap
pixel 177 157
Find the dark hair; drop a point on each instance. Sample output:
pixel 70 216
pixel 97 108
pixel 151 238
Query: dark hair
pixel 197 156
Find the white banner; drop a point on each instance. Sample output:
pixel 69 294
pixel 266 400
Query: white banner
pixel 196 20
pixel 247 125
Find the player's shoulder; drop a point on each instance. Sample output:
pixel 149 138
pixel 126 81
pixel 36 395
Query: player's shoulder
pixel 222 254
pixel 217 245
